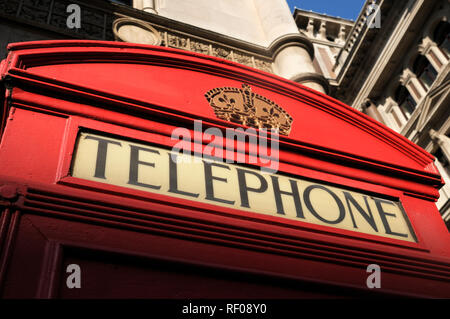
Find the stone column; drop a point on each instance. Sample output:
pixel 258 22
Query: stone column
pixel 137 4
pixel 149 6
pixel 293 56
pixel 323 30
pixel 145 5
pixel 292 53
pixel 310 27
pixel 341 35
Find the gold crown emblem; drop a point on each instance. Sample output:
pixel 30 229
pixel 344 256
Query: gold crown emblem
pixel 244 107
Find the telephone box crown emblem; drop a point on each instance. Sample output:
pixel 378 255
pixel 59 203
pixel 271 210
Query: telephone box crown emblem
pixel 244 107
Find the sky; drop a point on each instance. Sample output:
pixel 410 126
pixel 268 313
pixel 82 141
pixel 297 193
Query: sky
pixel 348 9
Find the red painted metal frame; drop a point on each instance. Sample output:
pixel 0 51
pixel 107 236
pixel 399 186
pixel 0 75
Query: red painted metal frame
pixel 45 90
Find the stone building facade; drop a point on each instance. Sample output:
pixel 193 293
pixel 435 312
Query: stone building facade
pixel 397 72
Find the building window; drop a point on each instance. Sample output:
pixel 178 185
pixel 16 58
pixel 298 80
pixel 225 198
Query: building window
pixel 405 101
pixel 442 37
pixel 424 71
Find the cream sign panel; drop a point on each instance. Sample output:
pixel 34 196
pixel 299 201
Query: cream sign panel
pixel 153 169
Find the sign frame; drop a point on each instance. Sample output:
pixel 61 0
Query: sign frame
pixel 78 124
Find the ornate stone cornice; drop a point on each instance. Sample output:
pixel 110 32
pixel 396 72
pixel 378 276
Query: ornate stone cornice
pixel 406 76
pixel 425 45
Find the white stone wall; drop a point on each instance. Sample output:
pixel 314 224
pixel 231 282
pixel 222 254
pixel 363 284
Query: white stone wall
pixel 256 21
pixel 276 18
pixel 235 18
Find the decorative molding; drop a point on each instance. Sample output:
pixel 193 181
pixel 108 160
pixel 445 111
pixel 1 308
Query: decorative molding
pixel 178 40
pixel 323 30
pixel 10 194
pixel 313 77
pixel 341 35
pixel 433 53
pixel 425 45
pixel 135 31
pixel 406 76
pixel 310 27
pixel 293 39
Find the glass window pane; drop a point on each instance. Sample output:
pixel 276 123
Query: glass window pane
pixel 445 46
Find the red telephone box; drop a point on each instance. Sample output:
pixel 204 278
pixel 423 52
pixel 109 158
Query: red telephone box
pixel 150 172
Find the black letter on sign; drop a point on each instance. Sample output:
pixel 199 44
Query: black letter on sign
pixel 367 216
pixel 244 189
pixel 209 177
pixel 102 150
pixel 277 192
pixel 134 166
pixel 307 199
pixel 173 180
pixel 383 215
